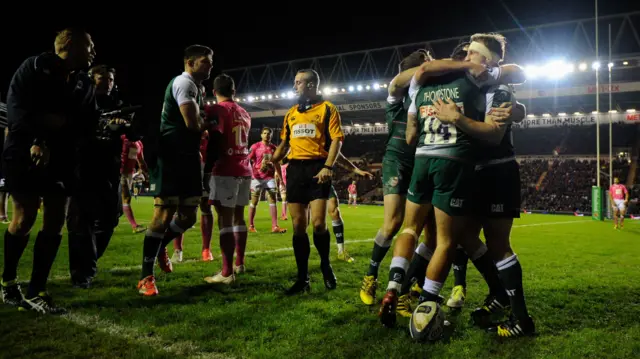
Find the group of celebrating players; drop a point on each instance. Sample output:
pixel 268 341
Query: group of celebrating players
pixel 449 168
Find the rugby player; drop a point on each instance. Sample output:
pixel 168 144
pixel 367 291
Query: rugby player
pixel 231 176
pixel 353 194
pixel 397 166
pixel 313 131
pixel 282 185
pixel 619 197
pixel 263 180
pixel 48 119
pixel 176 181
pixel 441 174
pixel 132 155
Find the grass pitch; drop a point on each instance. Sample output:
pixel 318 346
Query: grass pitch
pixel 580 279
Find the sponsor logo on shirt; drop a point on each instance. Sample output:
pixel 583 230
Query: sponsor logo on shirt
pixel 304 130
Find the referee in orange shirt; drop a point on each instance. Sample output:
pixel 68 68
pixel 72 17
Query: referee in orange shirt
pixel 313 131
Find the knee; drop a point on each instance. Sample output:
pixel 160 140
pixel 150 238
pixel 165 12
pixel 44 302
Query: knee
pixel 319 226
pixel 392 227
pixel 335 214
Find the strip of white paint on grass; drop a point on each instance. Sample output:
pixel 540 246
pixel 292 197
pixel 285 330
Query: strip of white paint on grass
pixel 180 348
pixel 285 249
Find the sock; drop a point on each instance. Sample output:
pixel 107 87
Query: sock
pixel 44 253
pixel 172 233
pixel 206 227
pixel 227 245
pixel 430 291
pixel 397 272
pixel 510 273
pixel 322 241
pixel 252 214
pixel 381 246
pixel 177 243
pixel 284 209
pixel 129 213
pixel 13 248
pixel 417 268
pixel 150 249
pixel 489 272
pixel 302 249
pixel 274 214
pixel 338 231
pixel 460 266
pixel 240 235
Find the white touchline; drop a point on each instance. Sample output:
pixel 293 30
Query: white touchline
pixel 178 348
pixel 284 249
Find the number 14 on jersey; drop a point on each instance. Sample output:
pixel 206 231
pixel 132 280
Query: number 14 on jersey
pixel 436 132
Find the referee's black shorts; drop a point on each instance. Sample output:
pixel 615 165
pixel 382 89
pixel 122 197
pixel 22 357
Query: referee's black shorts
pixel 302 188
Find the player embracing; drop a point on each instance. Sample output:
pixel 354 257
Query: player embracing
pixel 231 176
pixel 619 197
pixel 264 171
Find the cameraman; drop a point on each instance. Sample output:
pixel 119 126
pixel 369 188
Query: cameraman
pixel 95 205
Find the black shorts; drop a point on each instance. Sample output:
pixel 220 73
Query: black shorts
pixel 497 191
pixel 301 186
pixel 23 177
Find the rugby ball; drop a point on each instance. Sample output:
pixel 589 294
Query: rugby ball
pixel 427 322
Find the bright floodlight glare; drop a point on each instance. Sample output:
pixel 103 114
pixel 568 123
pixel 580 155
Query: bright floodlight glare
pixel 625 63
pixel 351 88
pixel 357 125
pixel 562 114
pixel 376 86
pixel 613 111
pixel 546 115
pixel 283 95
pixel 631 110
pixel 384 85
pixel 378 124
pixel 556 69
pixel 367 124
pixel 327 90
pixel 250 98
pixel 270 96
pixel 577 113
pixel 582 67
pixel 208 102
pixel 594 112
pixel 531 71
pixel 343 90
pixel 368 87
pixel 595 65
pixel 290 94
pixel 531 115
pixel 262 97
pixel 610 65
pixel 334 90
pixel 277 96
pixel 359 87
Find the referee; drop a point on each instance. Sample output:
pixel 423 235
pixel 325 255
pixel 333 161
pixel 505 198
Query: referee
pixel 313 131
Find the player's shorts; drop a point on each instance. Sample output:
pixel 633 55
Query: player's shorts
pixel 23 177
pixel 396 176
pixel 497 193
pixel 302 188
pixel 263 184
pixel 446 184
pixel 352 196
pixel 127 179
pixel 230 191
pixel 619 204
pixel 176 176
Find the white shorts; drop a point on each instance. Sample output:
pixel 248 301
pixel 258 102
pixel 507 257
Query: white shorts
pixel 352 196
pixel 262 184
pixel 230 191
pixel 619 204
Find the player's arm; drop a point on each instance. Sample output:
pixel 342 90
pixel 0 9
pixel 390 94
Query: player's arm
pixel 185 92
pixel 349 166
pixel 442 67
pixel 142 164
pixel 411 132
pixel 401 82
pixel 336 134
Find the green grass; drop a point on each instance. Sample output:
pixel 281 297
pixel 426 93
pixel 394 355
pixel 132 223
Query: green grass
pixel 580 279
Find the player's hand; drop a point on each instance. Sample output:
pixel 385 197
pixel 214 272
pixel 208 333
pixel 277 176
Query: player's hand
pixel 362 173
pixel 40 155
pixel 324 175
pixel 502 114
pixel 447 112
pixel 117 121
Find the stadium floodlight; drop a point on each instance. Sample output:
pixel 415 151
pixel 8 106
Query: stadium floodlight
pixel 610 65
pixel 384 85
pixel 531 115
pixel 594 112
pixel 367 124
pixel 283 95
pixel 531 71
pixel 357 125
pixel 368 87
pixel 290 94
pixel 251 98
pixel 334 90
pixel 613 111
pixel 269 96
pixel 359 87
pixel 546 115
pixel 595 65
pixel 577 113
pixel 631 110
pixel 582 66
pixel 562 114
pixel 262 97
pixel 327 90
pixel 625 63
pixel 556 69
pixel 208 102
pixel 376 86
pixel 343 90
pixel 351 88
pixel 378 124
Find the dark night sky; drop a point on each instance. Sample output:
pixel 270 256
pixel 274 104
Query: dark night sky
pixel 145 45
